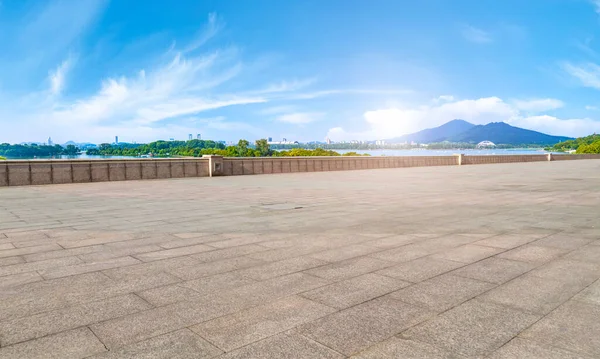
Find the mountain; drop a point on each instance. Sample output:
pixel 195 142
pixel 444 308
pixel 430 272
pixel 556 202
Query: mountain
pixel 436 134
pixel 503 133
pixel 497 132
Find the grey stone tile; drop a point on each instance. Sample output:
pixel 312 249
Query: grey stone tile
pixel 283 346
pixel 169 294
pixel 87 267
pixel 590 294
pixel 181 344
pixel 218 282
pixel 405 253
pixel 563 241
pixel 136 327
pixel 19 279
pixel 526 349
pixel 533 254
pixel 240 298
pixel 211 268
pixel 494 270
pixel 509 241
pixel 473 329
pixel 589 253
pixel 43 324
pixel 420 269
pixel 5 246
pixel 354 291
pixel 73 344
pixel 40 265
pixel 34 257
pixel 393 241
pixel 442 293
pixel 343 253
pixel 226 253
pixel 533 294
pixel 468 253
pixel 356 328
pixel 286 266
pixel 175 252
pixel 239 329
pixel 583 273
pixel 29 250
pixel 569 327
pixel 405 349
pixel 107 252
pixel 149 268
pixel 10 261
pixel 349 268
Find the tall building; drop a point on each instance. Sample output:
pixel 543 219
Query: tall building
pixel 270 139
pixel 328 140
pixel 198 137
pixel 50 143
pixel 116 140
pixel 190 137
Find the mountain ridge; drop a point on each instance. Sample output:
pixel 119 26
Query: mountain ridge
pixel 496 132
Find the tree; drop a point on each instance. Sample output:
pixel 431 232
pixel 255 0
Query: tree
pixel 71 150
pixel 263 148
pixel 242 148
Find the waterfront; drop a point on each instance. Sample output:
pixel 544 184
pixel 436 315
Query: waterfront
pixel 383 152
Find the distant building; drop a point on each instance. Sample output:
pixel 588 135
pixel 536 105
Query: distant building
pixel 328 140
pixel 190 137
pixel 50 143
pixel 380 142
pixel 484 144
pixel 198 137
pixel 116 140
pixel 270 139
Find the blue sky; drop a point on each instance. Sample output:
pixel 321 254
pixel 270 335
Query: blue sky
pixel 87 70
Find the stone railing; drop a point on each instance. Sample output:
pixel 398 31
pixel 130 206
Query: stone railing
pixel 38 172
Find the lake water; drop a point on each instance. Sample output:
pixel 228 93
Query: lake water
pixel 416 152
pixel 481 152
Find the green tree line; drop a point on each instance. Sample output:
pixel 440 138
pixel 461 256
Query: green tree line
pixel 587 144
pixel 33 150
pixel 198 148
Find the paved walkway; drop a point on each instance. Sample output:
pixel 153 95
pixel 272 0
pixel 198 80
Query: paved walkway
pixel 498 261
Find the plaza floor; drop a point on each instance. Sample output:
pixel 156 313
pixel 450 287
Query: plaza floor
pixel 486 261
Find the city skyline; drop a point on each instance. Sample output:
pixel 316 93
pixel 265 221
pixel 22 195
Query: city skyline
pixel 87 71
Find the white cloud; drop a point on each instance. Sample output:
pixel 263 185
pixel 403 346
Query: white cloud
pixel 588 73
pixel 58 76
pixel 475 35
pixel 443 98
pixel 591 108
pixel 596 4
pixel 300 118
pixel 538 105
pixel 556 126
pixel 401 120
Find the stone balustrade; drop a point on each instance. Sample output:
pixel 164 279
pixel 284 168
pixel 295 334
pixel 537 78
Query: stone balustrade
pixel 39 172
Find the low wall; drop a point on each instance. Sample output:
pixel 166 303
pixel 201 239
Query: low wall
pixel 21 173
pixel 267 165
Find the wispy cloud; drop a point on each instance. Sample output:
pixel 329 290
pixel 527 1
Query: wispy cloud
pixel 300 118
pixel 588 73
pixel 210 30
pixel 475 35
pixel 58 76
pixel 538 105
pixel 596 4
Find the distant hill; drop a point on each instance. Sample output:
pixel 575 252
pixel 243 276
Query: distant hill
pixel 497 132
pixel 503 133
pixel 436 134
